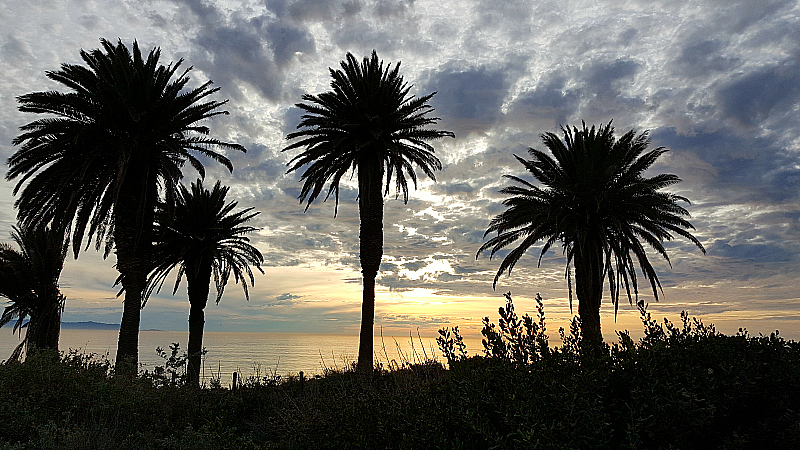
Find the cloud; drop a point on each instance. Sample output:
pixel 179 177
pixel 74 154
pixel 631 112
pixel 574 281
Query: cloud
pixel 468 99
pixel 746 168
pixel 287 40
pixel 755 97
pixel 285 299
pixel 604 77
pixel 547 105
pixel 15 50
pixel 753 252
pixel 702 57
pixel 251 50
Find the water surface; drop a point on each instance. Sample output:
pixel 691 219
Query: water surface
pixel 250 354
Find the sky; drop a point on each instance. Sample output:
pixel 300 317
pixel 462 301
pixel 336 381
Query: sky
pixel 717 82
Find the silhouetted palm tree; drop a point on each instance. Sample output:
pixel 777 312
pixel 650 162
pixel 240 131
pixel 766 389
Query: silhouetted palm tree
pixel 371 125
pixel 121 134
pixel 201 235
pixel 29 280
pixel 594 198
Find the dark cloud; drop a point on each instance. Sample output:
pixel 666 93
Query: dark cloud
pixel 454 188
pixel 286 40
pixel 292 191
pixel 413 320
pixel 500 15
pixel 414 265
pixel 237 54
pixel 753 252
pixel 703 57
pixel 249 50
pixel 360 35
pixel 628 36
pixel 260 165
pixel 291 119
pixel 286 299
pixel 157 20
pixel 312 10
pixel 15 50
pixel 755 97
pixel 89 21
pixel 468 99
pixel 742 14
pixel 547 105
pixel 351 8
pixel 604 78
pixel 391 9
pixel 747 168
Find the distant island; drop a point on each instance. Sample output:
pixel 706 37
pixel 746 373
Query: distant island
pixel 90 325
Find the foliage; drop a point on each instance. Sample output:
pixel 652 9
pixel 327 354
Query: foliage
pixel 368 118
pixel 593 197
pixel 125 115
pixel 680 386
pixel 199 227
pixel 173 372
pixel 29 281
pixel 451 344
pixel 522 341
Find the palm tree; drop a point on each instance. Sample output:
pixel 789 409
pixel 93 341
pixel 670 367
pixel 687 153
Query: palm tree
pixel 119 137
pixel 371 125
pixel 595 200
pixel 199 235
pixel 29 280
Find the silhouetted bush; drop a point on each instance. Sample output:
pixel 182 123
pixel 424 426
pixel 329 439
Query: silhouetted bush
pixel 680 386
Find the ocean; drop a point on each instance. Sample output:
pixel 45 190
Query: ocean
pixel 250 354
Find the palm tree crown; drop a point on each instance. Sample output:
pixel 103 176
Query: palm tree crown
pixel 201 228
pixel 369 124
pixel 594 198
pixel 368 117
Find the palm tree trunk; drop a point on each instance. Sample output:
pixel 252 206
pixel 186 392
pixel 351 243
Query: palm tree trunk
pixel 370 209
pixel 44 329
pixel 198 281
pixel 132 267
pixel 32 333
pixel 133 227
pixel 589 289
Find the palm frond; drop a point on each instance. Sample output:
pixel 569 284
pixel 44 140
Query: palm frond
pixel 368 117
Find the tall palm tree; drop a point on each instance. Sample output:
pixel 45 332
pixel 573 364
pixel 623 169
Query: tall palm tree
pixel 370 124
pixel 200 235
pixel 29 281
pixel 593 197
pixel 119 137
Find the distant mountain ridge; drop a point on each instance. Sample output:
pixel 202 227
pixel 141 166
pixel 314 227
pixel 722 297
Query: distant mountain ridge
pixel 90 325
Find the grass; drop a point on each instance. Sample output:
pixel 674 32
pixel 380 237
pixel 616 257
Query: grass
pixel 684 386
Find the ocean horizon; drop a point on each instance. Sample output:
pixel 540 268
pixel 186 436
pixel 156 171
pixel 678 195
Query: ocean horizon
pixel 256 354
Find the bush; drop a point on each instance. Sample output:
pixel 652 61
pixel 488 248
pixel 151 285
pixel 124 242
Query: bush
pixel 680 386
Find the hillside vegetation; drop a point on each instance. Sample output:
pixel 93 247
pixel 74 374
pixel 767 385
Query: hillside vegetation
pixel 680 386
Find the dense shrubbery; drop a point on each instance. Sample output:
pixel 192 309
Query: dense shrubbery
pixel 680 386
